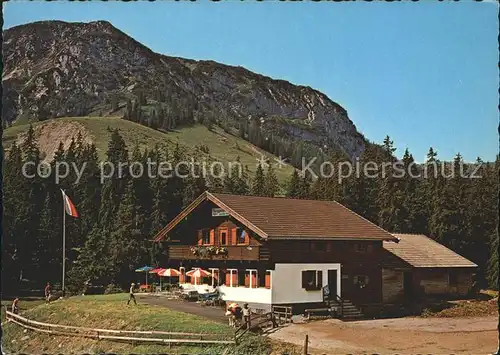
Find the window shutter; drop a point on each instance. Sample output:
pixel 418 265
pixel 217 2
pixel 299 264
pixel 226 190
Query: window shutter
pixel 247 238
pixel 200 237
pixel 304 279
pixel 235 278
pixel 228 279
pixel 268 280
pixel 212 239
pixel 247 279
pixel 319 278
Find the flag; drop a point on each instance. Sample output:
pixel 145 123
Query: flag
pixel 69 207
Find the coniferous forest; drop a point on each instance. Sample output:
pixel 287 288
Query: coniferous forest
pixel 118 218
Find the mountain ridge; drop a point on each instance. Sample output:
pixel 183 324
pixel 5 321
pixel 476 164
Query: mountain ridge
pixel 57 68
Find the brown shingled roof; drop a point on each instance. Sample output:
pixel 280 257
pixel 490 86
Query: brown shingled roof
pixel 283 218
pixel 420 251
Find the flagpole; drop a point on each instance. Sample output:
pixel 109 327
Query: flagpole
pixel 63 244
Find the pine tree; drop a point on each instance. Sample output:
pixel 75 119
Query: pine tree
pixel 361 191
pixel 128 110
pixel 493 175
pixel 304 187
pixel 141 98
pixel 127 243
pixel 410 205
pixel 259 182
pixel 31 199
pixel 241 129
pixel 153 120
pixel 492 266
pixel 94 262
pixel 319 189
pixel 482 216
pixel 113 187
pixel 215 180
pixel 453 223
pixel 272 184
pixel 134 114
pixel 194 185
pixel 235 182
pixel 47 254
pixel 293 188
pixel 90 187
pixel 391 214
pixel 167 191
pixel 114 103
pixel 13 201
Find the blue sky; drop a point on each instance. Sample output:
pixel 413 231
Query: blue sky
pixel 424 73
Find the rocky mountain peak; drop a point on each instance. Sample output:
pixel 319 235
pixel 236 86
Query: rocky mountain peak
pixel 55 69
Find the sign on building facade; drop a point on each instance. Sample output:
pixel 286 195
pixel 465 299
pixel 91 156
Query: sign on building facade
pixel 219 212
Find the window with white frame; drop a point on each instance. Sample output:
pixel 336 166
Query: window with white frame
pixel 215 277
pixel 232 278
pixel 312 279
pixel 251 278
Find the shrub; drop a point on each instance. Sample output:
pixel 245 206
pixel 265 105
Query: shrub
pixel 112 288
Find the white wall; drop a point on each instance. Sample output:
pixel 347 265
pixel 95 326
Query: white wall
pixel 286 286
pixel 246 294
pixel 287 283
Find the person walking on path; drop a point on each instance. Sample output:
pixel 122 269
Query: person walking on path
pixel 131 294
pixel 47 293
pixel 15 306
pixel 246 315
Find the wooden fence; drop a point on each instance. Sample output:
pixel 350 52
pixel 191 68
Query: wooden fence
pixel 279 315
pixel 283 314
pixel 134 336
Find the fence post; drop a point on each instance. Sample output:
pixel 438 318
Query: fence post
pixel 306 343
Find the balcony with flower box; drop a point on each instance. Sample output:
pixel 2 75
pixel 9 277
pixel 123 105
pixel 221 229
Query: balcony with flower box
pixel 210 252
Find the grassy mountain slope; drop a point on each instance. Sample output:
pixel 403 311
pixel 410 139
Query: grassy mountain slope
pixel 221 146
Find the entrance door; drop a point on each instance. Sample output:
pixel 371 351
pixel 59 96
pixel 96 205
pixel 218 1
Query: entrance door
pixel 332 283
pixel 408 284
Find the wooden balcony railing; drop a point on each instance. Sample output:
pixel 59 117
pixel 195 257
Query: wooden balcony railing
pixel 183 252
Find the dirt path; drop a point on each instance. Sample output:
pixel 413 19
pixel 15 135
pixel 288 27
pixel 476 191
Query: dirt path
pixel 384 336
pixel 212 313
pixel 401 336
